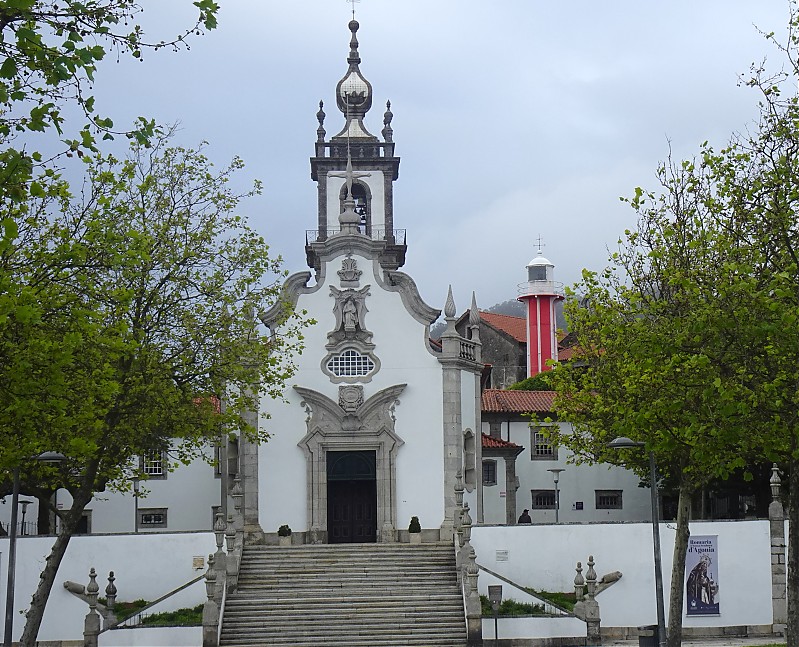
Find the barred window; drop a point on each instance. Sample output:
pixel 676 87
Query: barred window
pixel 350 363
pixel 543 500
pixel 608 499
pixel 152 517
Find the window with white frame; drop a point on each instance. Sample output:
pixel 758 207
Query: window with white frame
pixel 154 464
pixel 543 500
pixel 608 499
pixel 489 472
pixel 541 447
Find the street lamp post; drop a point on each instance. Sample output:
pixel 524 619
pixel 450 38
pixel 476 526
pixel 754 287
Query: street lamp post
pixel 135 505
pixel 623 443
pixel 556 477
pixel 24 503
pixel 46 457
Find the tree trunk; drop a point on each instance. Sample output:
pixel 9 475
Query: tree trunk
pixel 792 629
pixel 678 566
pixel 33 618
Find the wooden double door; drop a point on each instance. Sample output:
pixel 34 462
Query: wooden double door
pixel 351 497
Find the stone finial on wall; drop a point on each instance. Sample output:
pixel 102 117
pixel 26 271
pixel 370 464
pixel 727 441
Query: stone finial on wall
pixel 110 618
pixel 210 608
pixel 91 624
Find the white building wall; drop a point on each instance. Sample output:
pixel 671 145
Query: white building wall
pixel 577 484
pixel 744 562
pixel 402 348
pixel 188 493
pixel 494 495
pixel 145 566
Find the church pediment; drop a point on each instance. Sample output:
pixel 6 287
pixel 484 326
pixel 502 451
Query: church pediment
pixel 351 414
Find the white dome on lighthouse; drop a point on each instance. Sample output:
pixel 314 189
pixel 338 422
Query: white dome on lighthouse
pixel 540 260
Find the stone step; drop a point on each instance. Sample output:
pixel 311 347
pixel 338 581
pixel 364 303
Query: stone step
pixel 364 595
pixel 348 641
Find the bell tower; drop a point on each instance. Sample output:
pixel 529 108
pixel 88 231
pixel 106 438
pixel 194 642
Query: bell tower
pixel 355 173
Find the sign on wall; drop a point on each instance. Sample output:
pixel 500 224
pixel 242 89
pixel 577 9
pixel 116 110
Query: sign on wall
pixel 702 576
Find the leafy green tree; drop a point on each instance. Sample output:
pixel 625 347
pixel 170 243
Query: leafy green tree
pixel 132 311
pixel 539 382
pixel 49 52
pixel 651 356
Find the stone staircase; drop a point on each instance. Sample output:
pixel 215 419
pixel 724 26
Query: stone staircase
pixel 347 595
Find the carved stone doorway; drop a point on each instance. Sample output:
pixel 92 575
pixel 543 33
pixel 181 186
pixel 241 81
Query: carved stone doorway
pixel 351 497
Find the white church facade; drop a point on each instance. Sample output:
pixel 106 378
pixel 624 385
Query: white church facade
pixel 378 420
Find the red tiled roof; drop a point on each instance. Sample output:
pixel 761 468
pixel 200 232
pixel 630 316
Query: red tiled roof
pixel 565 354
pixel 500 401
pixel 490 442
pixel 516 327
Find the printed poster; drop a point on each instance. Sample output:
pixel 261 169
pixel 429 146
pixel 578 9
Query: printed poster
pixel 702 576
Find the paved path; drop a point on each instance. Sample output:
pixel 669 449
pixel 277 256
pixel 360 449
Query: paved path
pixel 708 642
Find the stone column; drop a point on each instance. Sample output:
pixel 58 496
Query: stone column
pixel 248 473
pixel 776 517
pixel 511 486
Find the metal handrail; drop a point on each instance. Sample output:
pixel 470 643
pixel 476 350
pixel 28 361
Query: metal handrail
pixel 122 623
pixel 392 236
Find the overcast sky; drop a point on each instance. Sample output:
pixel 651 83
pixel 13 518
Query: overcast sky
pixel 513 118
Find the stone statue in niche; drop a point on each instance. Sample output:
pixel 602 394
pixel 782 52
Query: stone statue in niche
pixel 349 275
pixel 350 310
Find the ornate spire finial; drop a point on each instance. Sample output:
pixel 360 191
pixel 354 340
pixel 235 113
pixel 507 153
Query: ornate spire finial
pixel 354 93
pixel 354 57
pixel 388 132
pixel 449 306
pixel 474 313
pixel 320 117
pixel 541 245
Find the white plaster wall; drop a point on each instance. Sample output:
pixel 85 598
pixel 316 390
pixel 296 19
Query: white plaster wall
pixel 494 495
pixel 576 483
pixel 533 627
pixel 153 637
pixel 401 346
pixel 374 182
pixel 544 557
pixel 188 494
pixel 145 566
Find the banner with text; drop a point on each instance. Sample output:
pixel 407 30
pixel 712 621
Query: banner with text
pixel 702 576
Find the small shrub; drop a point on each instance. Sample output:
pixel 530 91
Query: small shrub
pixel 415 526
pixel 179 618
pixel 563 600
pixel 511 607
pixel 124 610
pixel 284 531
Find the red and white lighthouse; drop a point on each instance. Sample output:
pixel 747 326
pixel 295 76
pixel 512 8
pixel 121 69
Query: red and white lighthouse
pixel 540 293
